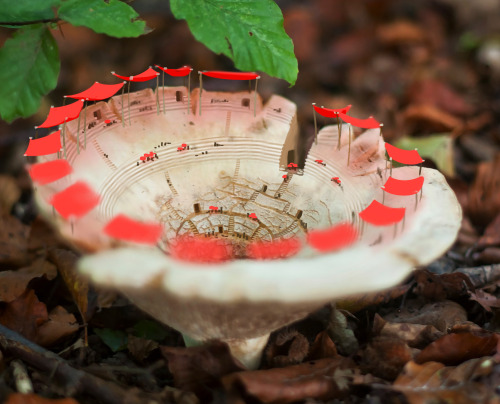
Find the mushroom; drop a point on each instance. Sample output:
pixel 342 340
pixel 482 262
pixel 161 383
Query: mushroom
pixel 228 188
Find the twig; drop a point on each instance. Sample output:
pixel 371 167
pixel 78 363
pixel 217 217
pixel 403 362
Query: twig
pixel 22 380
pixel 74 380
pixel 483 275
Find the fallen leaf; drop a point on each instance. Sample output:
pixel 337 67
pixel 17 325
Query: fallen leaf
pixel 490 255
pixel 442 315
pixel 140 348
pixel 439 94
pixel 453 349
pixel 14 283
pixel 42 236
pixel 433 382
pixel 24 315
pixel 324 379
pixel 288 347
pixel 61 324
pixel 198 369
pixel 18 398
pixel 323 347
pixel 415 335
pixel 78 286
pixel 385 357
pixel 149 329
pixel 116 340
pixel 484 194
pixel 401 32
pixel 340 333
pixel 485 299
pixel 440 287
pixel 13 241
pixel 9 194
pixel 438 148
pixel 432 117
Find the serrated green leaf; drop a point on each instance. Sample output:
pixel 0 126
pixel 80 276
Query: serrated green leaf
pixel 113 18
pixel 27 10
pixel 438 148
pixel 150 330
pixel 248 31
pixel 29 67
pixel 116 340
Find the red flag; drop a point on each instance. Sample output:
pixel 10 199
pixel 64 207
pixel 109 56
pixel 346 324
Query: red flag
pixel 76 200
pixel 331 113
pixel 144 76
pixel 403 187
pixel 180 72
pixel 368 123
pixel 49 144
pixel 122 227
pixel 402 156
pixel 59 115
pixel 97 91
pixel 231 75
pixel 332 239
pixel 381 215
pixel 50 171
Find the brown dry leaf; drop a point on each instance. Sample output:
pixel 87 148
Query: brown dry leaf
pixel 453 349
pixel 490 255
pixel 14 283
pixel 9 193
pixel 385 357
pixel 18 398
pixel 78 286
pixel 440 287
pixel 440 95
pixel 340 333
pixel 13 241
pixel 42 236
pixel 25 315
pixel 60 325
pixel 140 348
pixel 435 119
pixel 323 379
pixel 415 335
pixel 400 33
pixel 289 347
pixel 198 369
pixel 485 299
pixel 433 382
pixel 442 315
pixel 484 194
pixel 357 303
pixel 323 347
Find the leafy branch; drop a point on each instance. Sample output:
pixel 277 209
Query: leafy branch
pixel 250 32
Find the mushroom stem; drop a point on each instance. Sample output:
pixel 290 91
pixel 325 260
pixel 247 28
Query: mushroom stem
pixel 248 351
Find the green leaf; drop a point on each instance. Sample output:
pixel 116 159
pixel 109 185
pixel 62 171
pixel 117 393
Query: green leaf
pixel 27 10
pixel 248 31
pixel 29 67
pixel 113 18
pixel 150 330
pixel 438 148
pixel 116 340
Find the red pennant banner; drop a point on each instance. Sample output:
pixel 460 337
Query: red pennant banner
pixel 403 187
pixel 409 157
pixel 97 92
pixel 263 250
pixel 381 215
pixel 75 201
pixel 50 171
pixel 144 76
pixel 368 123
pixel 332 239
pixel 180 72
pixel 123 228
pixel 331 113
pixel 199 250
pixel 231 75
pixel 49 144
pixel 59 115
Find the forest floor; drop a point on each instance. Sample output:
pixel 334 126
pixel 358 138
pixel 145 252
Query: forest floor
pixel 424 69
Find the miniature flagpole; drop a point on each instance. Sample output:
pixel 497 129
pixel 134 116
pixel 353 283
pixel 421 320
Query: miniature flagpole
pixel 128 101
pixel 390 172
pixel 157 97
pixel 349 151
pixel 36 132
pixel 78 134
pixel 201 87
pixel 380 135
pixel 64 137
pixel 315 125
pixel 383 195
pixel 123 114
pixel 85 122
pixel 163 86
pixel 255 97
pixel 339 129
pixel 189 89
